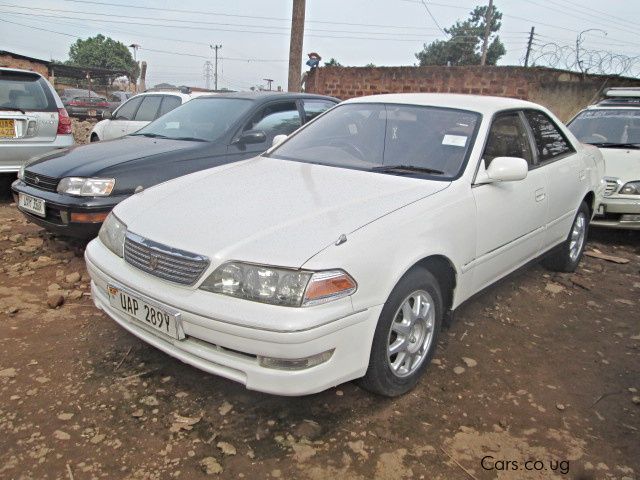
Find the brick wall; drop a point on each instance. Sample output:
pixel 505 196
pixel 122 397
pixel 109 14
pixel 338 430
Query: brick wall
pixel 12 62
pixel 563 92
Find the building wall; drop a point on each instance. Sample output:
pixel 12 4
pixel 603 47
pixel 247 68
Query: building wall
pixel 12 62
pixel 563 92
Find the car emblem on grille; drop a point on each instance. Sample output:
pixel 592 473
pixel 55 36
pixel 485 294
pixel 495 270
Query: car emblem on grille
pixel 153 262
pixel 36 180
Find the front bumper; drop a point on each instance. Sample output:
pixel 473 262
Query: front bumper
pixel 59 208
pixel 618 212
pixel 219 342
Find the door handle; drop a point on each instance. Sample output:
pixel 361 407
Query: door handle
pixel 540 195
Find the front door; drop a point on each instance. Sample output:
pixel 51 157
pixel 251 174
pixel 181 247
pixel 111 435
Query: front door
pixel 117 126
pixel 511 216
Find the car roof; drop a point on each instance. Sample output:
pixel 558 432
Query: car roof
pixel 267 95
pixel 478 103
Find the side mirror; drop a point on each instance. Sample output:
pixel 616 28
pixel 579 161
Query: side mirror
pixel 503 169
pixel 106 115
pixel 278 139
pixel 251 137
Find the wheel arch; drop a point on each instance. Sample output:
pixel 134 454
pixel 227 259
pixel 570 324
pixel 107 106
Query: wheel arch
pixel 443 269
pixel 93 136
pixel 590 200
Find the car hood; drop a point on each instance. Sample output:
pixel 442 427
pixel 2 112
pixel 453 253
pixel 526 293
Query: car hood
pixel 622 163
pixel 267 210
pixel 89 160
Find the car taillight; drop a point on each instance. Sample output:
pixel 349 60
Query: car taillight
pixel 64 122
pixel 103 104
pixel 73 103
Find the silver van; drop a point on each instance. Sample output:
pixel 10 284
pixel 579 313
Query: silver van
pixel 33 120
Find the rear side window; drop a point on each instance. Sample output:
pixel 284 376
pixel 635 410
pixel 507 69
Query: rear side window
pixel 550 142
pixel 313 108
pixel 128 109
pixel 169 102
pixel 148 108
pixel 29 93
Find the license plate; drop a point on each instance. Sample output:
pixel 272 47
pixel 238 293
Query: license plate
pixel 7 129
pixel 31 204
pixel 91 113
pixel 150 315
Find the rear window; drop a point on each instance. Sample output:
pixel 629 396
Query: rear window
pixel 26 92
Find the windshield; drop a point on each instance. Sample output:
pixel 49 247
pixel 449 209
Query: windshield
pixel 434 140
pixel 609 127
pixel 204 118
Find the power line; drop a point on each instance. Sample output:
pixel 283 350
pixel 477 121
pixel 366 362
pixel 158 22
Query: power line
pixel 432 17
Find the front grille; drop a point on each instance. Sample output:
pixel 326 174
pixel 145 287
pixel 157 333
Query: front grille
pixel 612 186
pixel 177 266
pixel 43 182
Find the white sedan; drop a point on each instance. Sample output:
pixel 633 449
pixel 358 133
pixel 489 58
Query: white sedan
pixel 138 112
pixel 338 253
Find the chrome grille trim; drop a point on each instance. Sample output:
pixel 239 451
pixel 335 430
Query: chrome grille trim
pixel 42 182
pixel 162 261
pixel 613 185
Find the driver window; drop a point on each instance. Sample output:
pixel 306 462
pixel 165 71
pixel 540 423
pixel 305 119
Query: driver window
pixel 508 138
pixel 128 109
pixel 278 119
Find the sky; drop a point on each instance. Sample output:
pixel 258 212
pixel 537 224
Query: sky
pixel 175 37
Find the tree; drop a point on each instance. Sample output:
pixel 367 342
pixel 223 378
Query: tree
pixel 465 45
pixel 103 52
pixel 332 63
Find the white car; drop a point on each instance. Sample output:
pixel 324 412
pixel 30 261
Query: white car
pixel 138 112
pixel 337 254
pixel 613 125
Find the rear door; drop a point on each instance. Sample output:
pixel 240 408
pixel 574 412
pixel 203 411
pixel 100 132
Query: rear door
pixel 566 174
pixel 117 126
pixel 28 114
pixel 313 107
pixel 169 102
pixel 147 112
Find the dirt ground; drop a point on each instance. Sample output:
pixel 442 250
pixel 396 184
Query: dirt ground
pixel 542 368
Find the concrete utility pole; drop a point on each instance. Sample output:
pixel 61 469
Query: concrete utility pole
pixel 135 47
pixel 269 82
pixel 487 32
pixel 215 74
pixel 295 46
pixel 526 57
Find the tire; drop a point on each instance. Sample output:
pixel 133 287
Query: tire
pixel 568 255
pixel 94 138
pixel 390 374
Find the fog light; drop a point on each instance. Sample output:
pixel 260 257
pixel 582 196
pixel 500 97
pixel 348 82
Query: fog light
pixel 630 218
pixel 295 363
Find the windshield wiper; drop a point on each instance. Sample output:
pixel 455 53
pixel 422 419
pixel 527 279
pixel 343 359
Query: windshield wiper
pixel 406 168
pixel 12 109
pixel 191 139
pixel 615 145
pixel 150 135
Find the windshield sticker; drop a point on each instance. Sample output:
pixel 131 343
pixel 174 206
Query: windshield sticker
pixel 454 140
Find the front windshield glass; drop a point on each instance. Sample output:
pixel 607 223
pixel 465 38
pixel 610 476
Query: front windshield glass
pixel 608 127
pixel 204 118
pixel 375 136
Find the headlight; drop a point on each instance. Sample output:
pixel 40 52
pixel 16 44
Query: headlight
pixel 631 188
pixel 86 187
pixel 21 173
pixel 279 286
pixel 112 234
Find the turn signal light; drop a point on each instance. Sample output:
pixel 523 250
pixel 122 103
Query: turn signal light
pixel 328 285
pixel 89 217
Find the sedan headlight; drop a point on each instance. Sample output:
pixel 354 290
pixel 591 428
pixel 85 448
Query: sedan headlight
pixel 87 187
pixel 279 286
pixel 112 234
pixel 631 188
